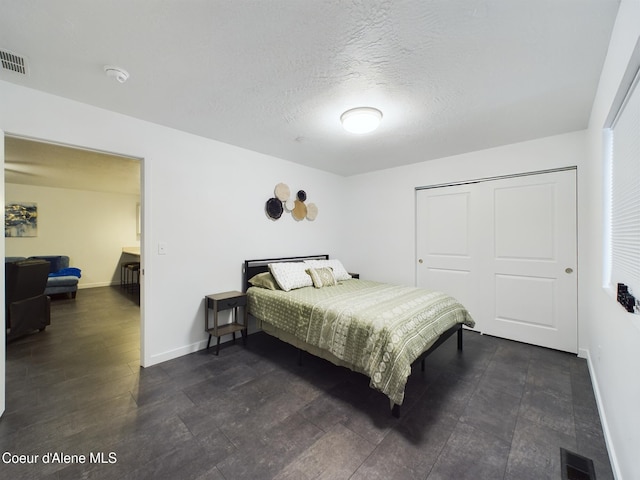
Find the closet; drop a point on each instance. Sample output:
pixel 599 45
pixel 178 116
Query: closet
pixel 506 248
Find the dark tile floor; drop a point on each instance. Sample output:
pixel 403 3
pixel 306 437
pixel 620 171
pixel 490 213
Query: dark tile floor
pixel 499 410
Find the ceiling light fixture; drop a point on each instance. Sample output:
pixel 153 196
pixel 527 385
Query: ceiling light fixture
pixel 118 73
pixel 361 120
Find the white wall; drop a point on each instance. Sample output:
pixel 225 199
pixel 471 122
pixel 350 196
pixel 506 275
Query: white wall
pixel 203 199
pixel 384 227
pixel 612 339
pixel 90 227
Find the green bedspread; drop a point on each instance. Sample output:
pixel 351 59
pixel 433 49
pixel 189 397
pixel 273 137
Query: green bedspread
pixel 373 328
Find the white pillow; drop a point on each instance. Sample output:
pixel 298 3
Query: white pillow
pixel 290 275
pixel 336 265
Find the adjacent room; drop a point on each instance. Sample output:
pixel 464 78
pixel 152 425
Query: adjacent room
pixel 487 170
pixel 87 206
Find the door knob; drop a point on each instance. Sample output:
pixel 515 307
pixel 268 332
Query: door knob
pixel 420 261
pixel 568 270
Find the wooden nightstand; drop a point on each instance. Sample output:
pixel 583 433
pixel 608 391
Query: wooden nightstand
pixel 218 302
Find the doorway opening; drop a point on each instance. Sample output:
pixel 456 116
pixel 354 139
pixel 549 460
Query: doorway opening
pixel 89 207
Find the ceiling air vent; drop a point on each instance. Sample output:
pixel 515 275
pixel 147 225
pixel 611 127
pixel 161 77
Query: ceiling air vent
pixel 13 62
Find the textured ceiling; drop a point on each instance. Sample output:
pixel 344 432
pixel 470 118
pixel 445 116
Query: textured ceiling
pixel 274 76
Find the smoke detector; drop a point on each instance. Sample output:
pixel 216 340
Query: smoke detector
pixel 118 73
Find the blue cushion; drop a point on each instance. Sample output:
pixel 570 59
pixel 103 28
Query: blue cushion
pixel 60 281
pixel 76 272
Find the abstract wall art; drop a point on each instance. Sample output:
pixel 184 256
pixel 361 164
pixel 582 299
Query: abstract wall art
pixel 20 219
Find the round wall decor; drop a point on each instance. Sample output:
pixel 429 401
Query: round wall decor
pixel 274 208
pixel 290 204
pixel 312 211
pixel 299 212
pixel 282 192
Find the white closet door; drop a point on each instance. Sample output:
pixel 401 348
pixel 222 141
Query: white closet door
pixel 520 240
pixel 447 242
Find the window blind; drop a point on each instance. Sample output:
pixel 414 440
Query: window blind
pixel 625 193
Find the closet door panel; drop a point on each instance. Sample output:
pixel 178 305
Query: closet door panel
pixel 445 243
pixel 534 260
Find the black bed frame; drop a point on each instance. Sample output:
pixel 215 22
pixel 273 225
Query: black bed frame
pixel 254 267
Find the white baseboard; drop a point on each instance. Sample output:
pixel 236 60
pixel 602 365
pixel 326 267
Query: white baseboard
pixel 584 353
pixel 171 354
pixel 187 349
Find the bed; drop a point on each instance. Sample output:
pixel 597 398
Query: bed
pixel 372 328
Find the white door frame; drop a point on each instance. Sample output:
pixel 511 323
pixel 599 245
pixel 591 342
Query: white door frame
pixel 144 206
pixel 3 337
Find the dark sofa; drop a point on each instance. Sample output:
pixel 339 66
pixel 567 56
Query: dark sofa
pixel 61 279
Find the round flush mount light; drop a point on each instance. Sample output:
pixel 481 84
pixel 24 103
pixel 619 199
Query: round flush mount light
pixel 118 73
pixel 361 120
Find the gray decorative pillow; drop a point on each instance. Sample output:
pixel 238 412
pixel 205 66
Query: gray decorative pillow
pixel 264 280
pixel 339 272
pixel 322 277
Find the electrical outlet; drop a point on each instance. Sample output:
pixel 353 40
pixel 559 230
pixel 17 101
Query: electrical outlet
pixel 162 248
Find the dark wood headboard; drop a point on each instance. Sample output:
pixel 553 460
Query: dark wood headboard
pixel 254 267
